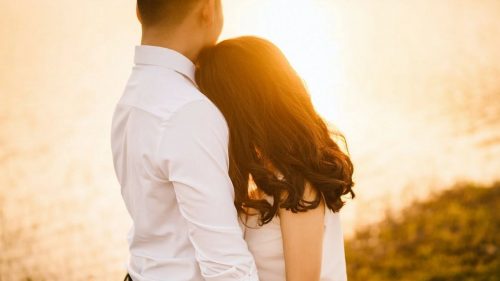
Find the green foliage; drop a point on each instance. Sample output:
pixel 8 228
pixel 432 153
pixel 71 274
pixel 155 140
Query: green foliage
pixel 454 235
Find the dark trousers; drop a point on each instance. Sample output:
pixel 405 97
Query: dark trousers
pixel 128 278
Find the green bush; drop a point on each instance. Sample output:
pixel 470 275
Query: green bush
pixel 454 235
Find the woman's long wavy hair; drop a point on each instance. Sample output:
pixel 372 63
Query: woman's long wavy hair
pixel 271 120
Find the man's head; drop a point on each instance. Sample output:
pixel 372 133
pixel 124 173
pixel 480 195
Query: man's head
pixel 199 21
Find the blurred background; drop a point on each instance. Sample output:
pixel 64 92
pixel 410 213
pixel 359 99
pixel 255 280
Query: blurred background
pixel 413 84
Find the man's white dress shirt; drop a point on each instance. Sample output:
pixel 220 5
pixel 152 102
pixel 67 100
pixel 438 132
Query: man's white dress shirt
pixel 170 154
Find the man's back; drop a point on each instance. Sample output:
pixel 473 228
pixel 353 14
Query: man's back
pixel 169 146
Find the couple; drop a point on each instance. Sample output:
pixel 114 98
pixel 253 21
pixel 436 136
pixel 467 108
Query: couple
pixel 226 169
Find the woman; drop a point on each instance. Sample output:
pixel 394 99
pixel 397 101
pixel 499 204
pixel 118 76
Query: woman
pixel 288 173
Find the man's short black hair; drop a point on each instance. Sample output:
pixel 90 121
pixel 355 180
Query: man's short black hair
pixel 154 12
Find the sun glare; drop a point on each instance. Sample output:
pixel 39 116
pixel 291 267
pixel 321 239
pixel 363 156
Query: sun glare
pixel 304 32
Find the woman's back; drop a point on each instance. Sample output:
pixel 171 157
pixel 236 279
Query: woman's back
pixel 266 244
pixel 272 120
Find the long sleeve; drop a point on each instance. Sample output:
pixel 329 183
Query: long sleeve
pixel 193 155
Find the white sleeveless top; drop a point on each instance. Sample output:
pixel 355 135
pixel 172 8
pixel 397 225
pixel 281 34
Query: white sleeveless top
pixel 266 245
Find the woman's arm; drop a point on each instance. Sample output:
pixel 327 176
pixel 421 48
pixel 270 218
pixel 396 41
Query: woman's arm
pixel 303 240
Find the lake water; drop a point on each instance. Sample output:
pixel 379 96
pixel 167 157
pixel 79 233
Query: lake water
pixel 414 86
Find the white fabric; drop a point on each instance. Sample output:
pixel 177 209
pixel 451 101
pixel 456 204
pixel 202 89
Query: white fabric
pixel 170 156
pixel 266 244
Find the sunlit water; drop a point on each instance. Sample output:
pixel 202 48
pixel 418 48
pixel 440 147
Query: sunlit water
pixel 414 86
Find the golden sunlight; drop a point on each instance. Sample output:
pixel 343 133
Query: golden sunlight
pixel 303 31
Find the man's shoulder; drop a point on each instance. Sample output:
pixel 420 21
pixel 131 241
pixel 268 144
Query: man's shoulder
pixel 199 112
pixel 163 93
pixel 189 103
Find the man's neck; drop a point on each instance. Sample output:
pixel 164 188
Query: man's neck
pixel 173 41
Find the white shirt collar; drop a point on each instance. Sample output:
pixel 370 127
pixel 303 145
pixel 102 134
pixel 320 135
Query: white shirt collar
pixel 160 56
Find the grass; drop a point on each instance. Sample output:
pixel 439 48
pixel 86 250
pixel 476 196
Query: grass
pixel 454 235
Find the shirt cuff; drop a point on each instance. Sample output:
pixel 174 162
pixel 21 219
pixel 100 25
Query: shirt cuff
pixel 234 275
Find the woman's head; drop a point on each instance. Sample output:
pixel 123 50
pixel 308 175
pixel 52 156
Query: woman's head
pixel 271 120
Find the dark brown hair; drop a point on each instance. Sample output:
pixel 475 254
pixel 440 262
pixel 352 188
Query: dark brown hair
pixel 155 12
pixel 271 120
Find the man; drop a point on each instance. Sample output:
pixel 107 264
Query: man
pixel 170 154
